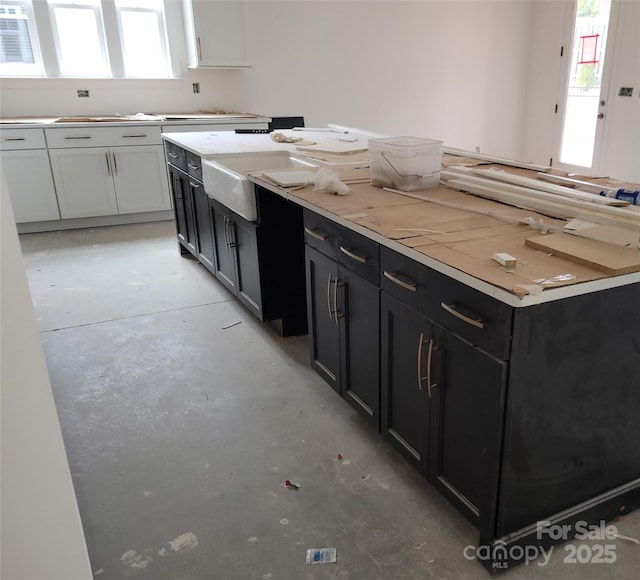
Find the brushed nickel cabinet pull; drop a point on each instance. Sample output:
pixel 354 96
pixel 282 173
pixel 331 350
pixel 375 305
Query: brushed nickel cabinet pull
pixel 314 235
pixel 451 309
pixel 13 139
pixel 71 137
pixel 106 156
pixel 172 155
pixel 329 297
pixel 135 136
pixel 353 256
pixel 419 357
pixel 335 302
pixel 194 184
pixel 115 164
pixel 226 233
pixel 429 358
pixel 232 235
pixel 199 49
pixel 405 285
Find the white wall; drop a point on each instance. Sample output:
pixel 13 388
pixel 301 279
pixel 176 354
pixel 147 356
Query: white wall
pixel 42 536
pixel 440 69
pixel 621 142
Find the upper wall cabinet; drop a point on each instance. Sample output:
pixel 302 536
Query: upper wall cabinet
pixel 215 33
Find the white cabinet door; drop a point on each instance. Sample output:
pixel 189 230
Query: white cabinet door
pixel 84 182
pixel 140 177
pixel 28 177
pixel 216 33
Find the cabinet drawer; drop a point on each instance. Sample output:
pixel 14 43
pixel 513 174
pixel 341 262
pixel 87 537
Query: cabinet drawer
pixel 194 165
pixel 13 139
pixel 476 317
pixel 60 137
pixel 176 155
pixel 352 250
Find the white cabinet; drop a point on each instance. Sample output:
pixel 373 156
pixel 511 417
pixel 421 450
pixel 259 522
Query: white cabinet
pixel 140 177
pixel 215 33
pixel 26 171
pixel 97 180
pixel 28 177
pixel 84 182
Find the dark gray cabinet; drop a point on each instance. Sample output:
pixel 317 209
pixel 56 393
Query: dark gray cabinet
pixel 236 243
pixel 183 207
pixel 261 262
pixel 343 305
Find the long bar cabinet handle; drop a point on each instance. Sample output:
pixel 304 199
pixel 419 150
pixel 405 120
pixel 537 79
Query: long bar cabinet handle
pixel 405 285
pixel 139 136
pixel 106 156
pixel 329 297
pixel 72 137
pixel 13 139
pixel 419 357
pixel 115 164
pixel 314 235
pixel 353 256
pixel 451 309
pixel 429 358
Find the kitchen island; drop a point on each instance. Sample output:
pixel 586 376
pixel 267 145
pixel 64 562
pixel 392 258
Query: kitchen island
pixel 516 394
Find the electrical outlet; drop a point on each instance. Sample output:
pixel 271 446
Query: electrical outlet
pixel 477 149
pixel 196 88
pixel 83 93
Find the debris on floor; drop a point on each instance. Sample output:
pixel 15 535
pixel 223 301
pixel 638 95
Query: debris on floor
pixel 321 556
pixel 291 484
pixel 232 325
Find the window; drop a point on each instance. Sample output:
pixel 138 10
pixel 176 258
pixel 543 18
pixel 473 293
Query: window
pixel 143 37
pixel 88 38
pixel 79 37
pixel 19 51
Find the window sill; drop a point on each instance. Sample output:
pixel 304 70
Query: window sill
pixel 8 83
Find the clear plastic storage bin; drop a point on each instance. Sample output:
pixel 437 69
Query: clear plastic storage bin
pixel 405 163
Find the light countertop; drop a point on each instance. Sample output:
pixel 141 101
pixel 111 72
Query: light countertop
pixel 447 230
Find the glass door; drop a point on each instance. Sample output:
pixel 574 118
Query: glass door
pixel 586 90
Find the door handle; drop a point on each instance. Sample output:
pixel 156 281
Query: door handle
pixel 106 156
pixel 135 136
pixel 419 357
pixel 600 115
pixel 353 256
pixel 194 184
pixel 451 309
pixel 115 164
pixel 199 47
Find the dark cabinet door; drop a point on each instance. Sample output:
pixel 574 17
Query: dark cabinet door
pixel 407 373
pixel 183 210
pixel 204 228
pixel 222 241
pixel 358 311
pixel 244 239
pixel 324 330
pixel 466 419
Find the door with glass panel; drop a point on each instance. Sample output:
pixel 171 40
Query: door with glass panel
pixel 584 95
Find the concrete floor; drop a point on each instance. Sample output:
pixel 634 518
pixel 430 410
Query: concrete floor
pixel 181 432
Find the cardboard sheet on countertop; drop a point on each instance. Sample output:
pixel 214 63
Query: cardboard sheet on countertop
pixel 465 240
pixel 606 258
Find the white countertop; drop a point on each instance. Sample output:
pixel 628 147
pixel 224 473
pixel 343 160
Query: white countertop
pixel 205 144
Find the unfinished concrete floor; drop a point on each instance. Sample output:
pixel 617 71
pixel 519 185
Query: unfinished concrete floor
pixel 181 430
